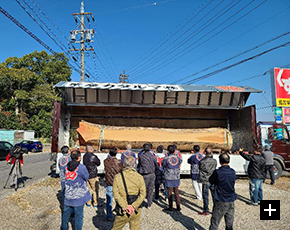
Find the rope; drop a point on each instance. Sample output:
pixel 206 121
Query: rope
pixel 102 139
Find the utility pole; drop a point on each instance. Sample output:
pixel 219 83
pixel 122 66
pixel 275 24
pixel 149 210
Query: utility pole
pixel 86 36
pixel 123 77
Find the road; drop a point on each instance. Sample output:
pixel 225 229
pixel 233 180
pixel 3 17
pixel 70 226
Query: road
pixel 35 167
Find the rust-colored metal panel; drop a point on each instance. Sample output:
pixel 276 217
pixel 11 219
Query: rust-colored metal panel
pixel 55 126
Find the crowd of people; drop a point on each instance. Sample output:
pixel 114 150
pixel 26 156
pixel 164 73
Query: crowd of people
pixel 139 177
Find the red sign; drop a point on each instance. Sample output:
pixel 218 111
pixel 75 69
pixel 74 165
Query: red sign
pixel 287 119
pixel 282 86
pixel 286 111
pixel 230 88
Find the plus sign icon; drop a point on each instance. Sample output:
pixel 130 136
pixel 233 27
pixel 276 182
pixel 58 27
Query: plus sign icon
pixel 270 210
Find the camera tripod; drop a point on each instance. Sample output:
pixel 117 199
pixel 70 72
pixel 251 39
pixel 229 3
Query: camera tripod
pixel 18 171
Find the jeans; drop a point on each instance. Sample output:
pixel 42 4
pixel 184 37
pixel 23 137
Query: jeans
pixel 256 192
pixel 270 168
pixel 205 194
pixel 79 214
pixel 198 189
pixel 157 187
pixel 109 198
pixel 220 210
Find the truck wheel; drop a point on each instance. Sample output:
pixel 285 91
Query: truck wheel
pixel 277 169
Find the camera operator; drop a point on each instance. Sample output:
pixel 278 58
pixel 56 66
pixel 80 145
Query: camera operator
pixel 14 154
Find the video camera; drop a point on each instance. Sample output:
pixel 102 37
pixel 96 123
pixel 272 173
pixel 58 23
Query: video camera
pixel 17 151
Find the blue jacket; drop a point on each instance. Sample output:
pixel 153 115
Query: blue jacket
pixel 62 163
pixel 76 188
pixel 194 161
pixel 224 179
pixel 126 154
pixel 171 166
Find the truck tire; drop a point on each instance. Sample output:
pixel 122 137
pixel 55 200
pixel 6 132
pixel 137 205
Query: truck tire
pixel 277 169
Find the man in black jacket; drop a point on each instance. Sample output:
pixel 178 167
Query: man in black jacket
pixel 91 161
pixel 256 174
pixel 206 167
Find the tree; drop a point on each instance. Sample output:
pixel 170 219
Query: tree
pixel 27 90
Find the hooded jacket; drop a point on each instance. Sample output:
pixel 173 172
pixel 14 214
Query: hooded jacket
pixel 76 188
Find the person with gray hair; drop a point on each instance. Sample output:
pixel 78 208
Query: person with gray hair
pixel 127 153
pixel 91 161
pixel 269 157
pixel 129 191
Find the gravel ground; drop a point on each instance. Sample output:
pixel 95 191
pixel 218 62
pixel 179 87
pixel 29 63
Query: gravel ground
pixel 38 207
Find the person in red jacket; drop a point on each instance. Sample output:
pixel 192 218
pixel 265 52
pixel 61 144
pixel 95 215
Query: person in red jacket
pixel 11 160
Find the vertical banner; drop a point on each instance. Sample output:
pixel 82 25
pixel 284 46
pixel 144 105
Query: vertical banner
pixel 281 87
pixel 55 126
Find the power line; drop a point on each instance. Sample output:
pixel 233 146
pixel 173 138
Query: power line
pixel 268 19
pixel 236 64
pixel 163 43
pixel 16 22
pixel 104 44
pixel 178 57
pixel 187 20
pixel 42 28
pixel 156 59
pixel 61 13
pixel 235 56
pixel 135 7
pixel 38 6
pixel 254 76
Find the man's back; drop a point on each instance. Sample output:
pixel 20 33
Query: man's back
pixel 256 166
pixel 76 189
pixel 135 186
pixel 268 155
pixel 146 163
pixel 91 161
pixel 206 167
pixel 112 167
pixel 62 163
pixel 224 179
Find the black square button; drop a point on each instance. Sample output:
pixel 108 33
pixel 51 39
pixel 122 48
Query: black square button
pixel 270 210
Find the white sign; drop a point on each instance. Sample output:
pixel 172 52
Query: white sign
pixel 125 86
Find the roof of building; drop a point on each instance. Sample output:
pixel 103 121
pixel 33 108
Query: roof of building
pixel 156 87
pixel 154 95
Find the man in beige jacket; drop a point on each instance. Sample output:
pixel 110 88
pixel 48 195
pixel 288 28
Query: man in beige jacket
pixel 136 188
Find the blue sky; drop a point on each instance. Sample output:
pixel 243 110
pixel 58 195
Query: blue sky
pixel 130 31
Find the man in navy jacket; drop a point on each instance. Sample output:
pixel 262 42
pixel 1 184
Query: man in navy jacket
pixel 224 194
pixel 76 191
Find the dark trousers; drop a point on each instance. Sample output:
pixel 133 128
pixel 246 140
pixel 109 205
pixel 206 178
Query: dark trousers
pixel 150 184
pixel 220 210
pixel 170 197
pixel 157 187
pixel 270 168
pixel 205 194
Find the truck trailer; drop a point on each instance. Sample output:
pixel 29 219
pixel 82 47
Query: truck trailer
pixel 168 107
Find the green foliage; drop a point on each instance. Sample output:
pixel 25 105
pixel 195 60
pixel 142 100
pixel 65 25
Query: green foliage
pixel 27 92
